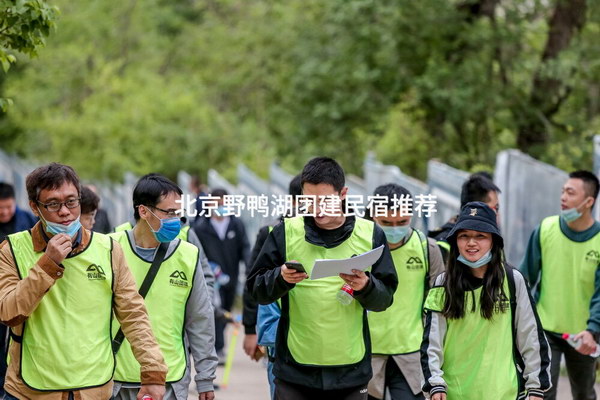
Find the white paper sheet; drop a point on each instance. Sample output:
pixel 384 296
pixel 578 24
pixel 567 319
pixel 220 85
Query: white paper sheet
pixel 325 268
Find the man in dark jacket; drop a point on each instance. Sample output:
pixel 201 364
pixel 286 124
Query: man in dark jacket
pixel 12 218
pixel 225 242
pixel 323 347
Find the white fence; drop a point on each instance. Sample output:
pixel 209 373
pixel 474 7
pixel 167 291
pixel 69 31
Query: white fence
pixel 530 191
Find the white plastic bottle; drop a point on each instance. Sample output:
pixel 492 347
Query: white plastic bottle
pixel 576 343
pixel 346 294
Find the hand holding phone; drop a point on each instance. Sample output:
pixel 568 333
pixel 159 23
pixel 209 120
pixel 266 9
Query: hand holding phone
pixel 293 272
pixel 296 266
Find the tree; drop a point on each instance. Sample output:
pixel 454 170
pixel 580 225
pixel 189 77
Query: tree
pixel 24 25
pixel 550 86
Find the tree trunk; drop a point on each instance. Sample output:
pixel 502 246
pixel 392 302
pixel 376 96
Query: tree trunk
pixel 548 93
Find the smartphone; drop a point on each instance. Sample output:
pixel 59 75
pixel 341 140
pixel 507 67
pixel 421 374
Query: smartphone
pixel 296 266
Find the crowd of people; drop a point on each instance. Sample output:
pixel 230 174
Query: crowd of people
pixel 90 312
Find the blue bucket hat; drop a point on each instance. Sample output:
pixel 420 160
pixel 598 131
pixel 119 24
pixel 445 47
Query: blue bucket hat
pixel 476 216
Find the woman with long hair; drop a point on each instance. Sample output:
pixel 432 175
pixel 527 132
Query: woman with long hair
pixel 482 337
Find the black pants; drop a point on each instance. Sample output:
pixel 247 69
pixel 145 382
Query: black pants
pixel 397 384
pixel 580 368
pixel 290 391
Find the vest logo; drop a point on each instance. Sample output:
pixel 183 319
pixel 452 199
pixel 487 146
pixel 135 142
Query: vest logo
pixel 95 273
pixel 502 305
pixel 593 256
pixel 414 264
pixel 178 279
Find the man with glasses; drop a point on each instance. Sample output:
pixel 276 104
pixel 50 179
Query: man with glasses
pixel 168 272
pixel 59 287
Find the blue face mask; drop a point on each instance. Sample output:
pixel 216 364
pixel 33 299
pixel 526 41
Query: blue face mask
pixel 169 229
pixel 487 257
pixel 395 234
pixel 222 211
pixel 54 229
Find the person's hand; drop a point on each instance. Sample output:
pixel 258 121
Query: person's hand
pixel 588 344
pixel 439 396
pixel 291 275
pixel 206 395
pixel 155 391
pixel 59 247
pixel 535 398
pixel 357 281
pixel 250 345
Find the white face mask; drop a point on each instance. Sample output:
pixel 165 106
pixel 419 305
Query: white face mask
pixel 572 213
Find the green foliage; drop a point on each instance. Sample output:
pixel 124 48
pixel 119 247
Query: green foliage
pixel 24 25
pixel 191 84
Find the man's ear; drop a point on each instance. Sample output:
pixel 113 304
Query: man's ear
pixel 343 193
pixel 592 202
pixel 143 211
pixel 34 208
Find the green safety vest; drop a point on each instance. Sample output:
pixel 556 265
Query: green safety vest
pixel 125 226
pixel 444 245
pixel 166 303
pixel 568 276
pixel 399 329
pixel 183 233
pixel 66 342
pixel 478 353
pixel 322 331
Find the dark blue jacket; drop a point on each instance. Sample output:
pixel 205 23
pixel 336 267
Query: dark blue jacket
pixel 24 220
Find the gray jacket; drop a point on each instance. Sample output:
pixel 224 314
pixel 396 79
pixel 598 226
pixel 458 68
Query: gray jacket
pixel 199 333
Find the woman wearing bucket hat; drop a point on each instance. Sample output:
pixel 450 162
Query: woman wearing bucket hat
pixel 482 334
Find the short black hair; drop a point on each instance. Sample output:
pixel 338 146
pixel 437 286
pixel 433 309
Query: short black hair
pixel 323 170
pixel 477 188
pixel 295 188
pixel 390 190
pixel 590 182
pixel 149 190
pixel 485 174
pixel 7 191
pixel 219 192
pixel 89 200
pixel 50 176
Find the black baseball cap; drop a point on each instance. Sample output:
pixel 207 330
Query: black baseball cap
pixel 476 216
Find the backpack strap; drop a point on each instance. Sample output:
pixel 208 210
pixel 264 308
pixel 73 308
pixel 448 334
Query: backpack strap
pixel 143 291
pixel 425 247
pixel 513 309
